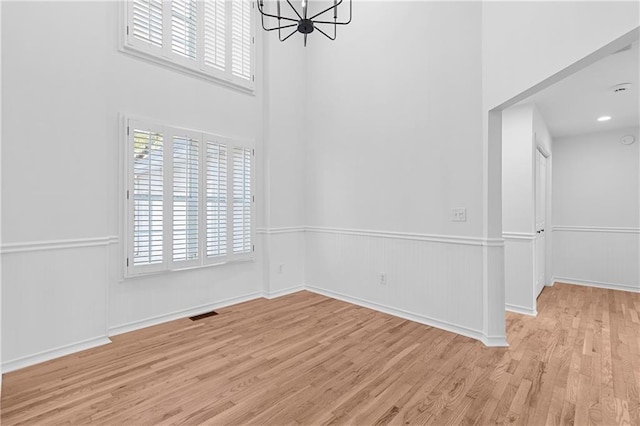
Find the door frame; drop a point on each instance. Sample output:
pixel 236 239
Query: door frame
pixel 493 251
pixel 546 153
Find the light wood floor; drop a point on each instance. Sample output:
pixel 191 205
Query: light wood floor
pixel 308 359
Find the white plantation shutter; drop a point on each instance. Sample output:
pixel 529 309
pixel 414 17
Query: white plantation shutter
pixel 210 38
pixel 216 210
pixel 215 33
pixel 146 21
pixel 242 200
pixel 241 39
pixel 183 27
pixel 189 199
pixel 185 198
pixel 147 197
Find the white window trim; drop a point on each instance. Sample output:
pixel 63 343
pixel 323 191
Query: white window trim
pixel 164 57
pixel 168 265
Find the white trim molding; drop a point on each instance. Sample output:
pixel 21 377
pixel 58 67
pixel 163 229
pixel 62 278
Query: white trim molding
pixel 283 230
pixel 184 313
pixel 284 292
pixel 598 284
pixel 498 341
pixel 57 244
pixel 495 341
pixel 602 229
pixel 521 310
pixel 434 238
pixel 522 236
pixel 50 354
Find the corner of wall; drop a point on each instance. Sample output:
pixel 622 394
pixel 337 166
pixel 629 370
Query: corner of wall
pixel 1 202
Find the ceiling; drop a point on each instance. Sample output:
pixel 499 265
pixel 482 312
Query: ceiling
pixel 573 105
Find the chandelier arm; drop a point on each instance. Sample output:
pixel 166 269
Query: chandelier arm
pixel 335 6
pixel 276 28
pixel 339 23
pixel 331 23
pixel 281 28
pixel 294 9
pixel 292 33
pixel 263 13
pixel 325 34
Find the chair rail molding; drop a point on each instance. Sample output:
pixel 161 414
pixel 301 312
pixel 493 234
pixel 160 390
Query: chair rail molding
pixel 29 246
pixel 602 229
pixel 437 238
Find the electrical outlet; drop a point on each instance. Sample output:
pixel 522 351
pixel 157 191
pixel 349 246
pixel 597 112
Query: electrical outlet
pixel 281 269
pixel 383 278
pixel 458 215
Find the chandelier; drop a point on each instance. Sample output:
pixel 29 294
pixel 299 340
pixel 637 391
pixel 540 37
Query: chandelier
pixel 300 22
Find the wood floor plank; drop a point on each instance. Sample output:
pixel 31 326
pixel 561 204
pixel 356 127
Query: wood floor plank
pixel 308 359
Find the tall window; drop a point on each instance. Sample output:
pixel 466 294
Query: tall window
pixel 190 198
pixel 214 38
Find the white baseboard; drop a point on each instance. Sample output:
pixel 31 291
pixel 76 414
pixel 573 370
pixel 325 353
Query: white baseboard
pixel 497 341
pixel 137 325
pixel 447 326
pixel 599 284
pixel 521 310
pixel 50 354
pixel 279 293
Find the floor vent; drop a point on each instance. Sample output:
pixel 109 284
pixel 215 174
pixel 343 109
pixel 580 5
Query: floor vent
pixel 205 315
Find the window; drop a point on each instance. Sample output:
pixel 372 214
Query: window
pixel 212 38
pixel 189 196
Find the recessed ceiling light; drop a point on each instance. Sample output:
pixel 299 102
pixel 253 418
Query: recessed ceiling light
pixel 604 118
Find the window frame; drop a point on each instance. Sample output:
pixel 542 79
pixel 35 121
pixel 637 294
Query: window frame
pixel 168 133
pixel 164 55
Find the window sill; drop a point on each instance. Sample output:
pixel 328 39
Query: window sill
pixel 131 277
pixel 168 64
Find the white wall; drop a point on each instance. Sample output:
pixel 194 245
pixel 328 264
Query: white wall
pixel 386 148
pixel 394 131
pixel 518 169
pixel 523 130
pixel 284 160
pixel 525 42
pixel 0 201
pixel 596 210
pixel 518 208
pixel 62 256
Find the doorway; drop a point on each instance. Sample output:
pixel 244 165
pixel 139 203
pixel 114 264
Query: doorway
pixel 539 236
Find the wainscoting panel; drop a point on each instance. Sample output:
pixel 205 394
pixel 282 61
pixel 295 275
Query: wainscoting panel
pixel 152 299
pixel 54 299
pixel 433 279
pixel 593 255
pixel 519 280
pixel 285 250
